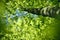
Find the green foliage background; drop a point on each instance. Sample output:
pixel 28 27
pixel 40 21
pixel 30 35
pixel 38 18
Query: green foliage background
pixel 27 27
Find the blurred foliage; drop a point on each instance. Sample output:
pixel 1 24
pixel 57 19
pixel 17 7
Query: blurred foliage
pixel 20 25
pixel 33 3
pixel 26 26
pixel 12 5
pixel 46 11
